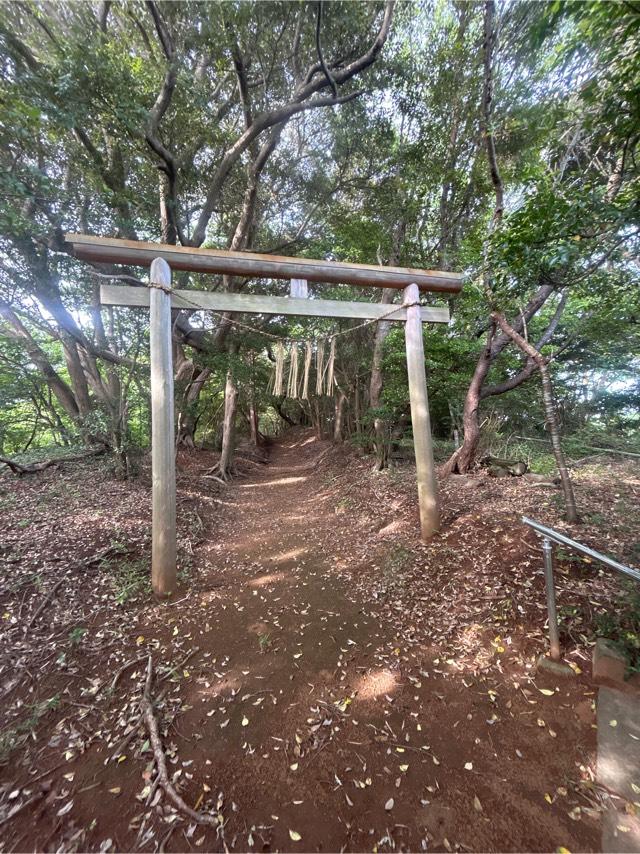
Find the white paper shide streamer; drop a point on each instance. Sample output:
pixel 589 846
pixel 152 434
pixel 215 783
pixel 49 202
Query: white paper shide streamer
pixel 278 383
pixel 293 386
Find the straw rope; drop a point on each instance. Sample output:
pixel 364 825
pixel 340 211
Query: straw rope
pixel 224 316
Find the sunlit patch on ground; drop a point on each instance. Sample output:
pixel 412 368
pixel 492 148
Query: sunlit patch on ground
pixel 215 687
pixel 392 528
pixel 209 596
pixel 283 481
pixel 309 441
pixel 271 578
pixel 376 683
pixel 292 554
pixel 476 652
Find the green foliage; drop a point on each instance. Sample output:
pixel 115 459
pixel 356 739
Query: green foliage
pixel 398 175
pixel 12 737
pixel 264 642
pixel 130 579
pixel 76 635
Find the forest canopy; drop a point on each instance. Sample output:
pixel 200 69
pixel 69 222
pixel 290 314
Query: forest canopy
pixel 495 140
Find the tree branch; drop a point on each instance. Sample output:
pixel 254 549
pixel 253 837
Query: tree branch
pixel 299 102
pixel 321 58
pixel 163 33
pixel 487 108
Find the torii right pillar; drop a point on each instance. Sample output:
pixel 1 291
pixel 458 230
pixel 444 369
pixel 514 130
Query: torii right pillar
pixel 420 421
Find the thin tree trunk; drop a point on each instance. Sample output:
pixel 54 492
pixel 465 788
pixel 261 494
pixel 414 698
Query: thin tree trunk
pixel 253 425
pixel 376 382
pixel 488 48
pixel 19 333
pixel 550 412
pixel 554 431
pixel 188 417
pixel 318 419
pixel 229 427
pixel 254 432
pixel 339 417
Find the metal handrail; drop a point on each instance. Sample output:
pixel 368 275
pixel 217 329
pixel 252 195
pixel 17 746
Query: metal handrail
pixel 557 537
pixel 549 535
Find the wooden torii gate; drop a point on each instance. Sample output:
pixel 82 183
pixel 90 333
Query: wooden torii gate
pixel 160 299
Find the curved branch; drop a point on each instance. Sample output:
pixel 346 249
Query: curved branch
pixel 169 163
pixel 21 49
pixel 487 108
pixel 161 29
pixel 15 329
pixel 103 15
pixel 321 58
pixel 300 101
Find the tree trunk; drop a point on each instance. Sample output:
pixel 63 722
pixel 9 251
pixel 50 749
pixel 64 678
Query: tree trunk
pixel 356 406
pixel 380 444
pixel 317 419
pixel 188 416
pixel 253 425
pixel 254 432
pixel 167 217
pixel 76 374
pixel 19 333
pixel 463 459
pixel 554 431
pixel 277 405
pixel 185 437
pixel 550 413
pixel 229 427
pixel 339 417
pixel 376 382
pixel 33 468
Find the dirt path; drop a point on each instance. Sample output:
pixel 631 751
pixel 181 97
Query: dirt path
pixel 293 652
pixel 315 717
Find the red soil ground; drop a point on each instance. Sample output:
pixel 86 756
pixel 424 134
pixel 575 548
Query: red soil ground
pixel 347 687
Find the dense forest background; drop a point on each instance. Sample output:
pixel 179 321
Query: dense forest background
pixel 497 140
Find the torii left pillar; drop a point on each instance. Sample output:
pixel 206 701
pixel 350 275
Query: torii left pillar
pixel 425 467
pixel 163 453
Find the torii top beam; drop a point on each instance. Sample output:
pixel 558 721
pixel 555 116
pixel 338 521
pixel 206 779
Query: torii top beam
pixel 140 254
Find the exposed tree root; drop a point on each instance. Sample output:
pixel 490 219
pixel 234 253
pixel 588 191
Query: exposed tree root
pixel 223 476
pixel 146 705
pixel 46 600
pixel 126 741
pixel 451 465
pixel 33 468
pixel 123 669
pixel 323 456
pixel 16 809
